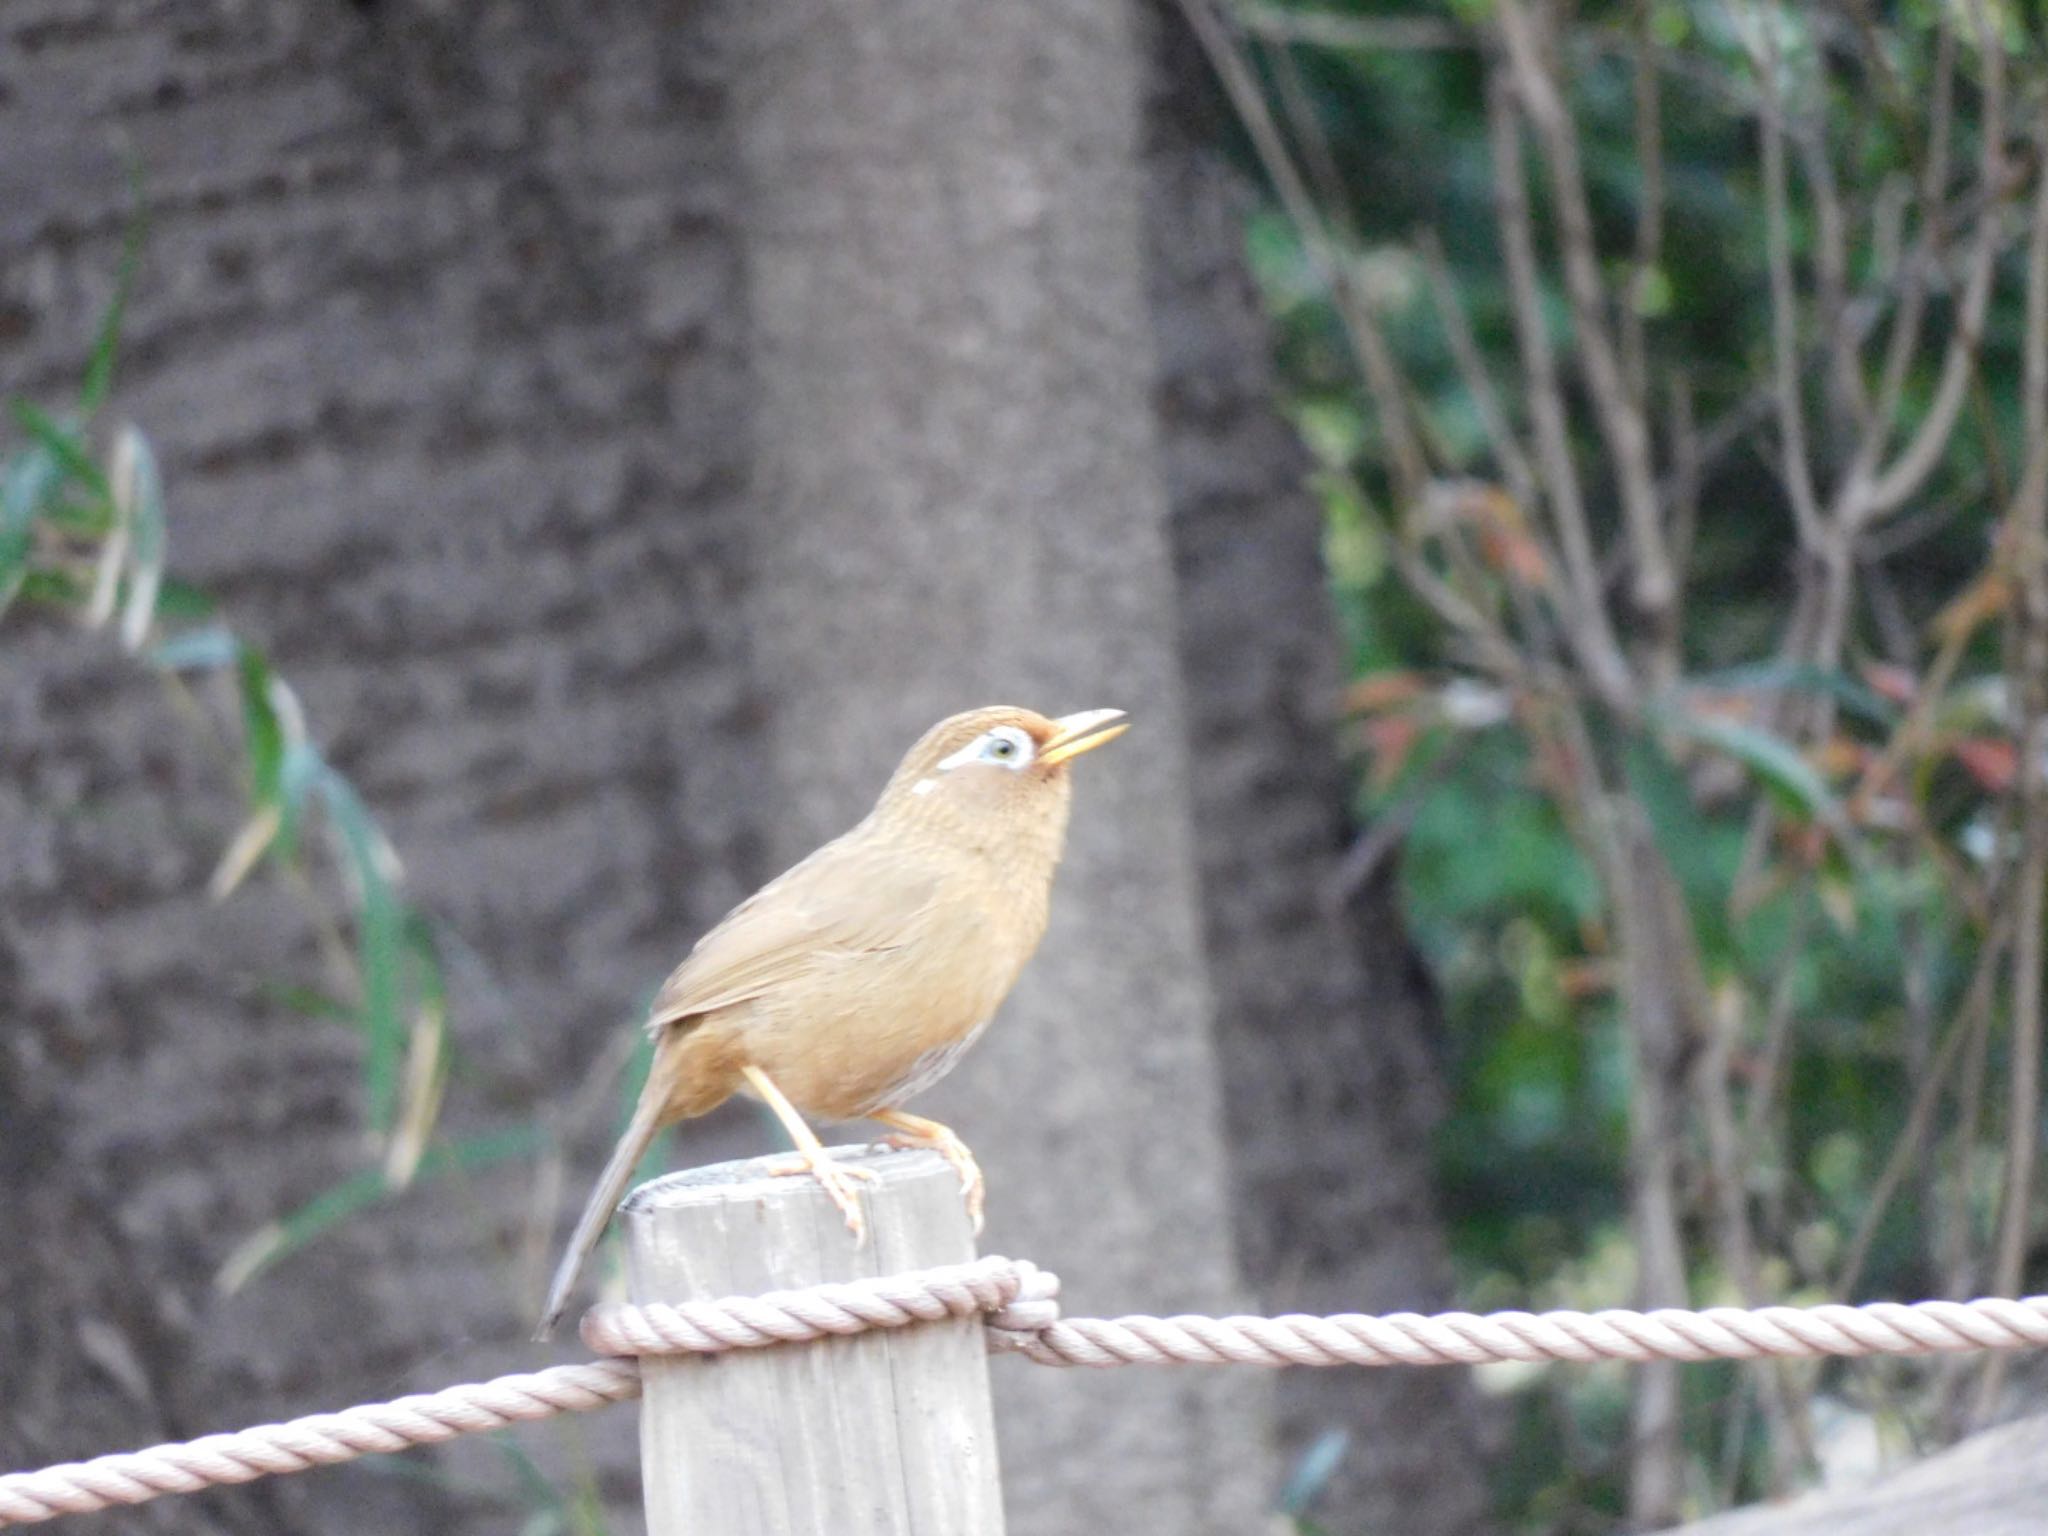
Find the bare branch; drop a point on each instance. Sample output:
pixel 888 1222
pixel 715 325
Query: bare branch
pixel 1921 455
pixel 1472 372
pixel 1905 333
pixel 1973 1018
pixel 1797 465
pixel 1360 34
pixel 2028 531
pixel 1382 373
pixel 1831 278
pixel 1791 1441
pixel 1588 626
pixel 1621 418
pixel 1649 135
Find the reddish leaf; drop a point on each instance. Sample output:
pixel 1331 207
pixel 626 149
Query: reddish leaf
pixel 1505 540
pixel 1390 739
pixel 1992 761
pixel 1897 685
pixel 1513 553
pixel 1384 690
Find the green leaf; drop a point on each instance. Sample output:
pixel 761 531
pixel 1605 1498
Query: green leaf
pixel 1702 854
pixel 380 928
pixel 311 1003
pixel 197 650
pixel 1312 1473
pixel 262 733
pixel 99 368
pixel 182 600
pixel 427 1049
pixel 1800 677
pixel 1332 428
pixel 1789 778
pixel 357 1193
pixel 24 491
pixel 60 589
pixel 301 775
pixel 65 443
pixel 139 489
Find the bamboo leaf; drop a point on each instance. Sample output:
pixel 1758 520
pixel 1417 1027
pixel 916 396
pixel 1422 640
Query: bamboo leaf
pixel 24 492
pixel 106 578
pixel 139 491
pixel 426 1057
pixel 1312 1473
pixel 300 774
pixel 262 735
pixel 197 650
pixel 65 443
pixel 182 600
pixel 359 1192
pixel 99 368
pixel 255 838
pixel 380 918
pixel 313 1004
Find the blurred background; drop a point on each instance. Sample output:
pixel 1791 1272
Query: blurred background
pixel 1562 488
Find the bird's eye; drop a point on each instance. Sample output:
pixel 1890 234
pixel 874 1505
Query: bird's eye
pixel 1005 746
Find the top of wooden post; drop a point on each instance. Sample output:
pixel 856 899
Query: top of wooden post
pixel 739 1228
pixel 885 1433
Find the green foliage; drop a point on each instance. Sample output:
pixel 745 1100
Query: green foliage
pixel 328 1210
pixel 1825 767
pixel 84 532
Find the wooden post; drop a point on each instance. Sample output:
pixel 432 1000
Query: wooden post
pixel 887 1433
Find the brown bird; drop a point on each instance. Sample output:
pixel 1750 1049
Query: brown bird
pixel 859 977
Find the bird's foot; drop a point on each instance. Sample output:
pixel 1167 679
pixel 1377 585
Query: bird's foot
pixel 915 1133
pixel 838 1181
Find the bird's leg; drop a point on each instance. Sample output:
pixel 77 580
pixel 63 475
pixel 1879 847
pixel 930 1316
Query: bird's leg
pixel 810 1155
pixel 916 1131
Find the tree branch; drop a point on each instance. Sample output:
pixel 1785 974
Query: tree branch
pixel 1621 419
pixel 1587 623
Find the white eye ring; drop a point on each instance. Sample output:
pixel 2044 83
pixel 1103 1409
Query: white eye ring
pixel 1005 747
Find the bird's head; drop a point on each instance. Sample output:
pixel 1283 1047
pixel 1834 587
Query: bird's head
pixel 996 767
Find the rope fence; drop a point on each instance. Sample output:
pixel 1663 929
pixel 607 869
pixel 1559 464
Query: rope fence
pixel 1019 1303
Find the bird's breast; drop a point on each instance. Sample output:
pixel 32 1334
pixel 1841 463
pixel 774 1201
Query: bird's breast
pixel 868 1030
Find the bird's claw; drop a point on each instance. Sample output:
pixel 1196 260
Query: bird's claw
pixel 837 1180
pixel 973 1187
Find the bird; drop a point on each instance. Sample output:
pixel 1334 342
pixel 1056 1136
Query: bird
pixel 859 977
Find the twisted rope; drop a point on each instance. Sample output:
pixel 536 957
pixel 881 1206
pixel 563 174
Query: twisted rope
pixel 794 1317
pixel 318 1440
pixel 1020 1304
pixel 1462 1338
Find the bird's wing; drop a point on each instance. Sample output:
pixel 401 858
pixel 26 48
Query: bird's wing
pixel 847 898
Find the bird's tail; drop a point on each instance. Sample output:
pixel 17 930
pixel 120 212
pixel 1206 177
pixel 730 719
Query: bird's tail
pixel 604 1199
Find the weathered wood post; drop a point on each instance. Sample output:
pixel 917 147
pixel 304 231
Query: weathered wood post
pixel 886 1433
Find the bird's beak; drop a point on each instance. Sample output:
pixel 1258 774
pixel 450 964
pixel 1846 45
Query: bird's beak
pixel 1074 734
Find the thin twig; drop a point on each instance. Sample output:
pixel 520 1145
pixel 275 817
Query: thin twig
pixel 1622 418
pixel 1903 343
pixel 1924 451
pixel 2028 530
pixel 1361 34
pixel 1791 1440
pixel 1796 465
pixel 1382 373
pixel 1649 253
pixel 1588 625
pixel 1472 371
pixel 1972 1019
